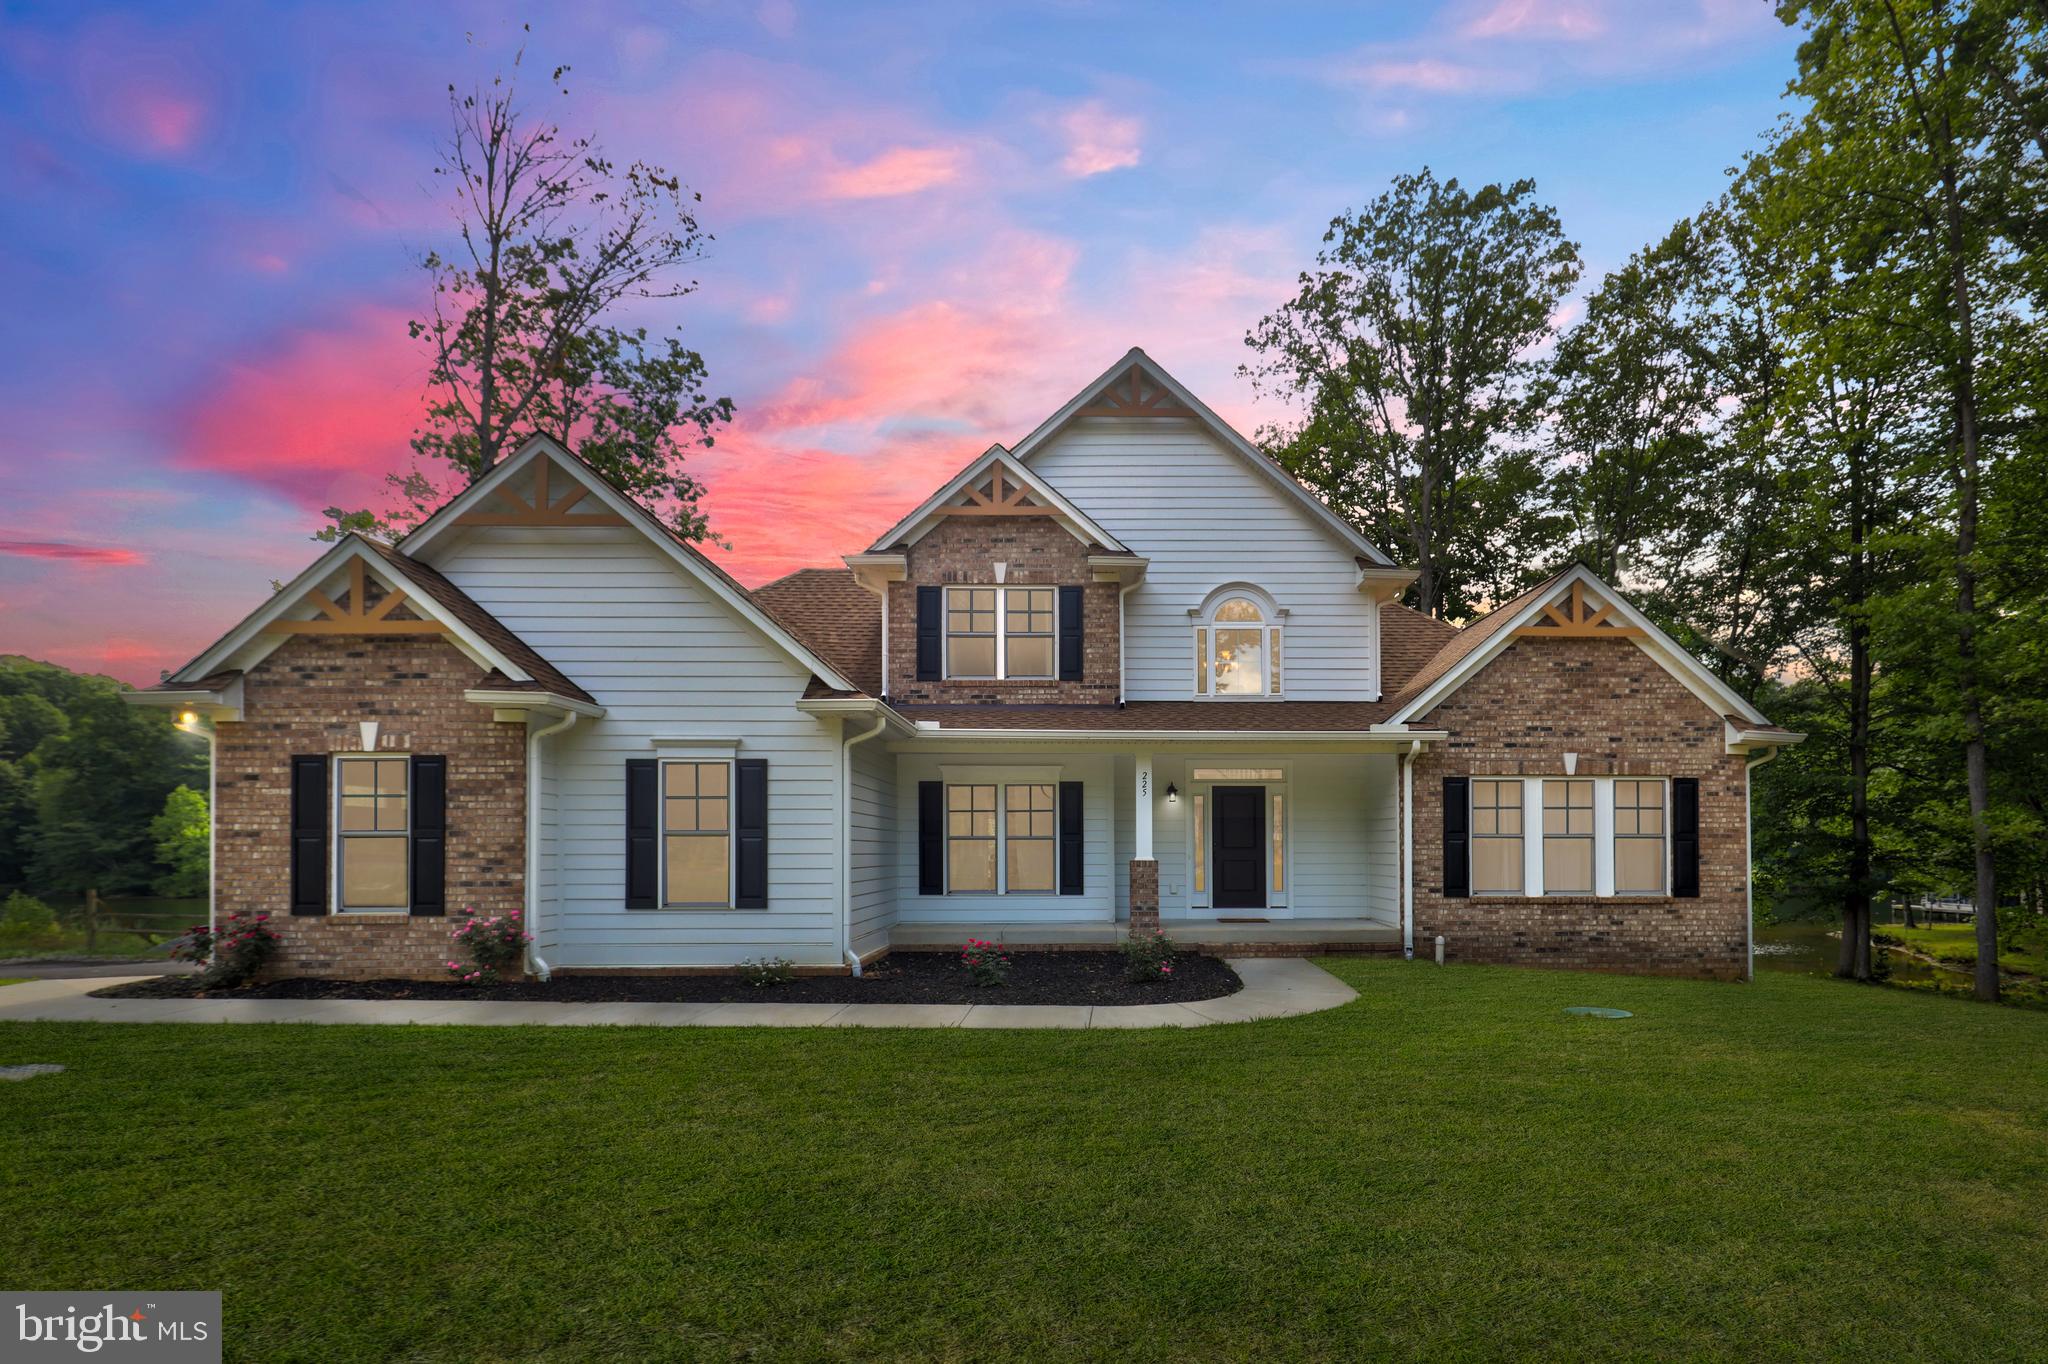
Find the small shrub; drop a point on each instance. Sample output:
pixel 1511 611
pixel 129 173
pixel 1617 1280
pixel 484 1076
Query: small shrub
pixel 26 921
pixel 1149 956
pixel 496 945
pixel 235 952
pixel 768 972
pixel 987 963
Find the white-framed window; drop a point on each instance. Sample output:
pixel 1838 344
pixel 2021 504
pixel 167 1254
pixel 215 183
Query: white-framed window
pixel 1639 859
pixel 696 833
pixel 1031 862
pixel 1237 646
pixel 1002 633
pixel 1569 836
pixel 1496 836
pixel 372 832
pixel 1002 837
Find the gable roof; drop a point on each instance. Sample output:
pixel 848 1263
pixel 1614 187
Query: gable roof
pixel 836 615
pixel 472 629
pixel 1092 400
pixel 693 560
pixel 1482 641
pixel 1044 494
pixel 539 672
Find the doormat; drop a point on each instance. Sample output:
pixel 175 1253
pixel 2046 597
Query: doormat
pixel 1244 921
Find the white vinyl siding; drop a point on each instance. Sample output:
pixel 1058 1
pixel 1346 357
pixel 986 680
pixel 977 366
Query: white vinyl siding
pixel 1168 490
pixel 873 845
pixel 667 658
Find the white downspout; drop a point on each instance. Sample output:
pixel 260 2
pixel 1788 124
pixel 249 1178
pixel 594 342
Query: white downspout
pixel 846 952
pixel 1121 593
pixel 1749 863
pixel 1408 849
pixel 536 963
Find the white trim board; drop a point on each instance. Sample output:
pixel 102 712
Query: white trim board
pixel 915 526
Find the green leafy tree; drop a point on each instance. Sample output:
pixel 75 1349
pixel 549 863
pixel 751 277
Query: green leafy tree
pixel 1408 348
pixel 180 834
pixel 528 333
pixel 1914 163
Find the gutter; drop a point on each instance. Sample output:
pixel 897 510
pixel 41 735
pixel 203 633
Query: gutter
pixel 846 952
pixel 536 963
pixel 1122 683
pixel 1749 860
pixel 1408 849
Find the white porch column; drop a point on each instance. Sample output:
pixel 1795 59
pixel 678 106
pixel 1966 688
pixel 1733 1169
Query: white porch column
pixel 1141 815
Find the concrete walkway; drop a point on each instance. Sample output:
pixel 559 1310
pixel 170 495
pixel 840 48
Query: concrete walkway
pixel 1273 988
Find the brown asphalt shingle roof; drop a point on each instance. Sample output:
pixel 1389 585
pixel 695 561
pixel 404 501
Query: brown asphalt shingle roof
pixel 839 619
pixel 1461 645
pixel 220 681
pixel 1408 640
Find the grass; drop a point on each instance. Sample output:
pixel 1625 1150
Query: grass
pixel 14 980
pixel 1958 943
pixel 1449 1168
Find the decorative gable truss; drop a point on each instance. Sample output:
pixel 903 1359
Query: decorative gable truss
pixel 1001 493
pixel 1135 393
pixel 354 614
pixel 1573 617
pixel 538 507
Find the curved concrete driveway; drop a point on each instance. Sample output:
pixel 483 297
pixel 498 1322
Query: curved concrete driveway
pixel 1273 988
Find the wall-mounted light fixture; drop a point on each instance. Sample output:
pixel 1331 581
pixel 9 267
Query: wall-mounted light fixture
pixel 1172 794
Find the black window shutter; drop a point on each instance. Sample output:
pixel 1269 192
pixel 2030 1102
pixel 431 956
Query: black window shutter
pixel 931 622
pixel 931 838
pixel 1457 836
pixel 1685 836
pixel 750 830
pixel 1070 634
pixel 429 835
pixel 309 833
pixel 643 833
pixel 1071 878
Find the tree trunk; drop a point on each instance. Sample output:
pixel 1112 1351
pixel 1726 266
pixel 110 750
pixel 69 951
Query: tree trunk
pixel 1855 958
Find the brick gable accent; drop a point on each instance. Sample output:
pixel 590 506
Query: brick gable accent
pixel 1037 553
pixel 1624 715
pixel 308 697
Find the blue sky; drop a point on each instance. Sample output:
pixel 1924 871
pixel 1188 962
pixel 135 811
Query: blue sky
pixel 933 223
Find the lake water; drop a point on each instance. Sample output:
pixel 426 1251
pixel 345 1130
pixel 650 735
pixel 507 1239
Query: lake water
pixel 1810 948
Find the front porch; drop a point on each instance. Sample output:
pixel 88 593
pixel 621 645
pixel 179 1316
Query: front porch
pixel 1248 848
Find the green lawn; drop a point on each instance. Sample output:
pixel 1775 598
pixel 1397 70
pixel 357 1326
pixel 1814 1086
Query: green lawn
pixel 1797 1169
pixel 1958 943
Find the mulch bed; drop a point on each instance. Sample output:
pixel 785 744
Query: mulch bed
pixel 903 978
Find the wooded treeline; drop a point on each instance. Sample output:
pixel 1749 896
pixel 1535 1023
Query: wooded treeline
pixel 1803 430
pixel 95 793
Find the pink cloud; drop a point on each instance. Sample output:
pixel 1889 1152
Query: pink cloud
pixel 1428 74
pixel 57 549
pixel 1099 140
pixel 900 170
pixel 1537 18
pixel 318 415
pixel 149 93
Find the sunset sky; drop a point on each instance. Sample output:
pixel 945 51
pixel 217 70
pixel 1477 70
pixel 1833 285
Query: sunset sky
pixel 934 223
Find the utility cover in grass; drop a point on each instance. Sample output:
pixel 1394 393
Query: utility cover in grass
pixel 27 1072
pixel 1590 1011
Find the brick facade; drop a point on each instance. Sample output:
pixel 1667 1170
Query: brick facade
pixel 1624 715
pixel 1036 552
pixel 308 697
pixel 1144 895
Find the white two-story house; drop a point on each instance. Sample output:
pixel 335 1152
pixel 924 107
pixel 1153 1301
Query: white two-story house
pixel 1124 673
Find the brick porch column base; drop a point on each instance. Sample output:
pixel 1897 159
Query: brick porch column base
pixel 1144 895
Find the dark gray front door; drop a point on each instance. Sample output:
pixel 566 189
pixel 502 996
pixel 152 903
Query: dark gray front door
pixel 1240 839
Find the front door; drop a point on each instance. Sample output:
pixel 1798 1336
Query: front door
pixel 1240 840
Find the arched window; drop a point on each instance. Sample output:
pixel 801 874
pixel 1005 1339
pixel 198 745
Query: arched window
pixel 1237 645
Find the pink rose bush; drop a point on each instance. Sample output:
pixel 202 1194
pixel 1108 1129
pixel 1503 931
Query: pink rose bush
pixel 496 948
